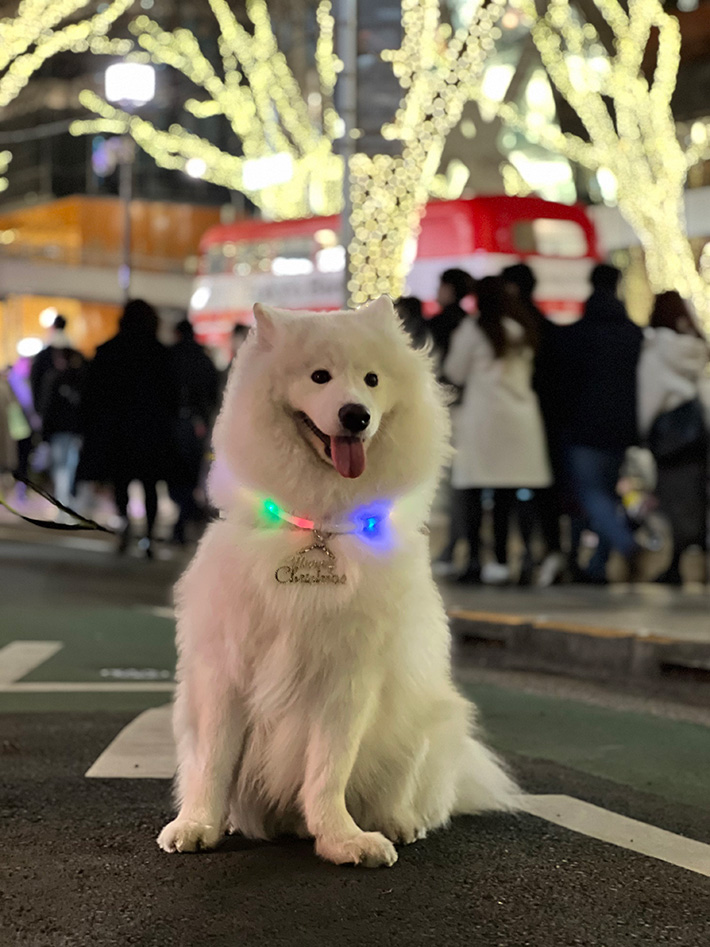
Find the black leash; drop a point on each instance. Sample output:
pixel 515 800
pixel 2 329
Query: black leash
pixel 82 522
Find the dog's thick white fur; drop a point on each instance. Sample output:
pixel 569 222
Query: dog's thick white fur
pixel 325 710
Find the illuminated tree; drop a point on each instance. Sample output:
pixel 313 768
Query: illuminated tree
pixel 5 159
pixel 39 31
pixel 630 128
pixel 260 98
pixel 256 91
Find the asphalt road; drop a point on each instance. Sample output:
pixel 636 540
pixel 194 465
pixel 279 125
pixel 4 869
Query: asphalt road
pixel 78 859
pixel 81 867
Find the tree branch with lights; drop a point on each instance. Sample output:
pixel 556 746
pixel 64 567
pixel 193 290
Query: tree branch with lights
pixel 631 131
pixel 36 34
pixel 257 93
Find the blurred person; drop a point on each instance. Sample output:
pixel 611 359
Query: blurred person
pixel 589 371
pixel 671 419
pixel 59 386
pixel 237 339
pixel 500 438
pixel 520 279
pixel 454 286
pixel 42 362
pixel 13 426
pixel 129 410
pixel 18 376
pixel 198 391
pixel 409 310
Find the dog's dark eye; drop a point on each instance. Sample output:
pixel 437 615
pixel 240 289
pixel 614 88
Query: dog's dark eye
pixel 321 376
pixel 371 380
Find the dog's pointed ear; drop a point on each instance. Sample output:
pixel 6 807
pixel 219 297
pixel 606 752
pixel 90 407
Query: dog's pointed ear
pixel 265 326
pixel 381 311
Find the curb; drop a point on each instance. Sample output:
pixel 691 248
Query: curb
pixel 517 642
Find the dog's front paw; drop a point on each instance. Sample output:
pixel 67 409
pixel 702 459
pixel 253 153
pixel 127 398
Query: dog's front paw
pixel 370 849
pixel 403 831
pixel 184 835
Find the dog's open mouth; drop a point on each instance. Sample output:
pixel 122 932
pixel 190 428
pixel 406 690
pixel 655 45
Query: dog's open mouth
pixel 347 454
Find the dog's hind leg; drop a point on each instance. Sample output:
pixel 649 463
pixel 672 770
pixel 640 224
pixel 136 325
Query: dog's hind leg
pixel 209 724
pixel 459 774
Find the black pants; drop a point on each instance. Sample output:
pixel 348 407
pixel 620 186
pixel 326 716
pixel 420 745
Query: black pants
pixel 547 502
pixel 120 489
pixel 457 522
pixel 183 495
pixel 505 501
pixel 471 513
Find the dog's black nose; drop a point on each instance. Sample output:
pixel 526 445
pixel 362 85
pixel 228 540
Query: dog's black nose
pixel 354 417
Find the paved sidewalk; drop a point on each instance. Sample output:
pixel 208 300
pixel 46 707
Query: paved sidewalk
pixel 682 615
pixel 618 631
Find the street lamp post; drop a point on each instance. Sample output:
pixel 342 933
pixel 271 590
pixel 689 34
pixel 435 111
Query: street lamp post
pixel 129 84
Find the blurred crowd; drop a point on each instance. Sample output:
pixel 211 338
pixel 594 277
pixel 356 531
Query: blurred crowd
pixel 575 433
pixel 139 411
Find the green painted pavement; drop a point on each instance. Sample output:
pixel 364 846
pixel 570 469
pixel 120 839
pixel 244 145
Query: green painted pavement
pixel 668 758
pixel 88 703
pixel 93 638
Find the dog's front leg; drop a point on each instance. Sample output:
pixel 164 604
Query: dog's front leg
pixel 209 727
pixel 333 745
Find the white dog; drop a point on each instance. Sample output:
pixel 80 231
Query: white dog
pixel 315 692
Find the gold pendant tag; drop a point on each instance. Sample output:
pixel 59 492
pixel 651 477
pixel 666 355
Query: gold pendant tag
pixel 314 565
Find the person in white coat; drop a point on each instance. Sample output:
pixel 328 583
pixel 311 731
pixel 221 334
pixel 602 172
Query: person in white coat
pixel 672 366
pixel 499 433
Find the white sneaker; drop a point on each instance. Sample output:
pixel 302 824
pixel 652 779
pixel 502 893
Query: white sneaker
pixel 495 573
pixel 550 570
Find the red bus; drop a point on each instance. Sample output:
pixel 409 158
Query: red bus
pixel 298 264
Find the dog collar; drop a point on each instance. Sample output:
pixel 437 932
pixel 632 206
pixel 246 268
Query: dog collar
pixel 366 521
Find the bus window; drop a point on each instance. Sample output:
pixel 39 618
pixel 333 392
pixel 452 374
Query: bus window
pixel 292 256
pixel 547 236
pixel 215 262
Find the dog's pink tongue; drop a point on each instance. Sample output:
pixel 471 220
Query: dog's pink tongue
pixel 348 456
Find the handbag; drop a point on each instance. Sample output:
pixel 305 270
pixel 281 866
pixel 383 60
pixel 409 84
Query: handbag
pixel 674 432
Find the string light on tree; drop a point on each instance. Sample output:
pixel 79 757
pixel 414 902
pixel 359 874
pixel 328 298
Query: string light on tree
pixel 35 34
pixel 629 122
pixel 5 159
pixel 258 95
pixel 30 38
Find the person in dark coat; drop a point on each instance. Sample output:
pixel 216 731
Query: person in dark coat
pixel 43 361
pixel 454 285
pixel 587 380
pixel 409 310
pixel 129 413
pixel 198 385
pixel 59 407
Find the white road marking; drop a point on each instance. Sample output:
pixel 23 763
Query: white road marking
pixel 145 750
pixel 160 611
pixel 20 657
pixel 142 750
pixel 587 819
pixel 85 687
